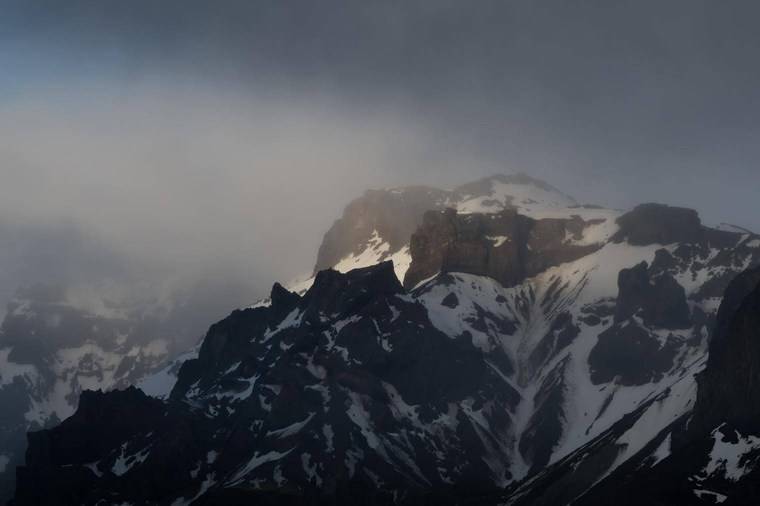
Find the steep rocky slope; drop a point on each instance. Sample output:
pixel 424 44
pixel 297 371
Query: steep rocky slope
pixel 393 215
pixel 535 348
pixel 342 392
pixel 710 455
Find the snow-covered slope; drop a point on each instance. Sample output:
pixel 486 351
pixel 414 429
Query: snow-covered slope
pixel 709 455
pixel 529 196
pixel 159 384
pixel 560 320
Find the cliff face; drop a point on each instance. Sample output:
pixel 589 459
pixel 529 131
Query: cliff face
pixel 392 215
pixel 658 299
pixel 506 246
pixel 389 217
pixel 661 224
pixel 729 388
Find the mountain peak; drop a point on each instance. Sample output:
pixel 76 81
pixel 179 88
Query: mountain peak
pixel 334 292
pixel 378 224
pixel 519 190
pixel 521 178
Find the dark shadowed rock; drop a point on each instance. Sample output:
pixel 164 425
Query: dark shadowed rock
pixel 741 287
pixel 729 387
pixel 659 224
pixel 713 456
pixel 429 246
pixel 337 293
pixel 628 352
pixel 354 382
pixel 661 302
pixel 450 300
pixel 282 301
pixel 87 457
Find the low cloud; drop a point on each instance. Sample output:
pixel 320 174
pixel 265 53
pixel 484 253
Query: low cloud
pixel 163 185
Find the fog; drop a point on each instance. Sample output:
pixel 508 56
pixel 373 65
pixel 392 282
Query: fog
pixel 166 185
pixel 151 146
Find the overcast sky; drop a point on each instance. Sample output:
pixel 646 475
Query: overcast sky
pixel 224 137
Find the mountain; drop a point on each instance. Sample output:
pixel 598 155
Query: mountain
pixel 493 343
pixel 56 342
pixel 378 225
pixel 710 454
pixel 51 351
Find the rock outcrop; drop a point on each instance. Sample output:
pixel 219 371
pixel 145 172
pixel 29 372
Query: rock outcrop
pixel 506 246
pixel 729 388
pixel 659 224
pixel 630 354
pixel 660 301
pixel 393 215
pixel 382 221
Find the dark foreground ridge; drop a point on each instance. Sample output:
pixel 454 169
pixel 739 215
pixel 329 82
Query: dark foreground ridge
pixel 332 388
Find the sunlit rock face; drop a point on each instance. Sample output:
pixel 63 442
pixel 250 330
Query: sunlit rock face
pixel 531 338
pixel 378 225
pixel 505 246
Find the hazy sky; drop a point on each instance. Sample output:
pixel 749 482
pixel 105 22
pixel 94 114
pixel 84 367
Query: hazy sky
pixel 224 137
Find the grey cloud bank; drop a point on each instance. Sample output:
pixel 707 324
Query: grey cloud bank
pixel 221 139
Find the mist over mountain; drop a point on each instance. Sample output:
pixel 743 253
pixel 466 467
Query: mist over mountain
pixel 421 252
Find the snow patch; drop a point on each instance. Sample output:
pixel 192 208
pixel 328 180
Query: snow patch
pixel 160 384
pixel 497 240
pixel 291 429
pixel 256 461
pixel 727 458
